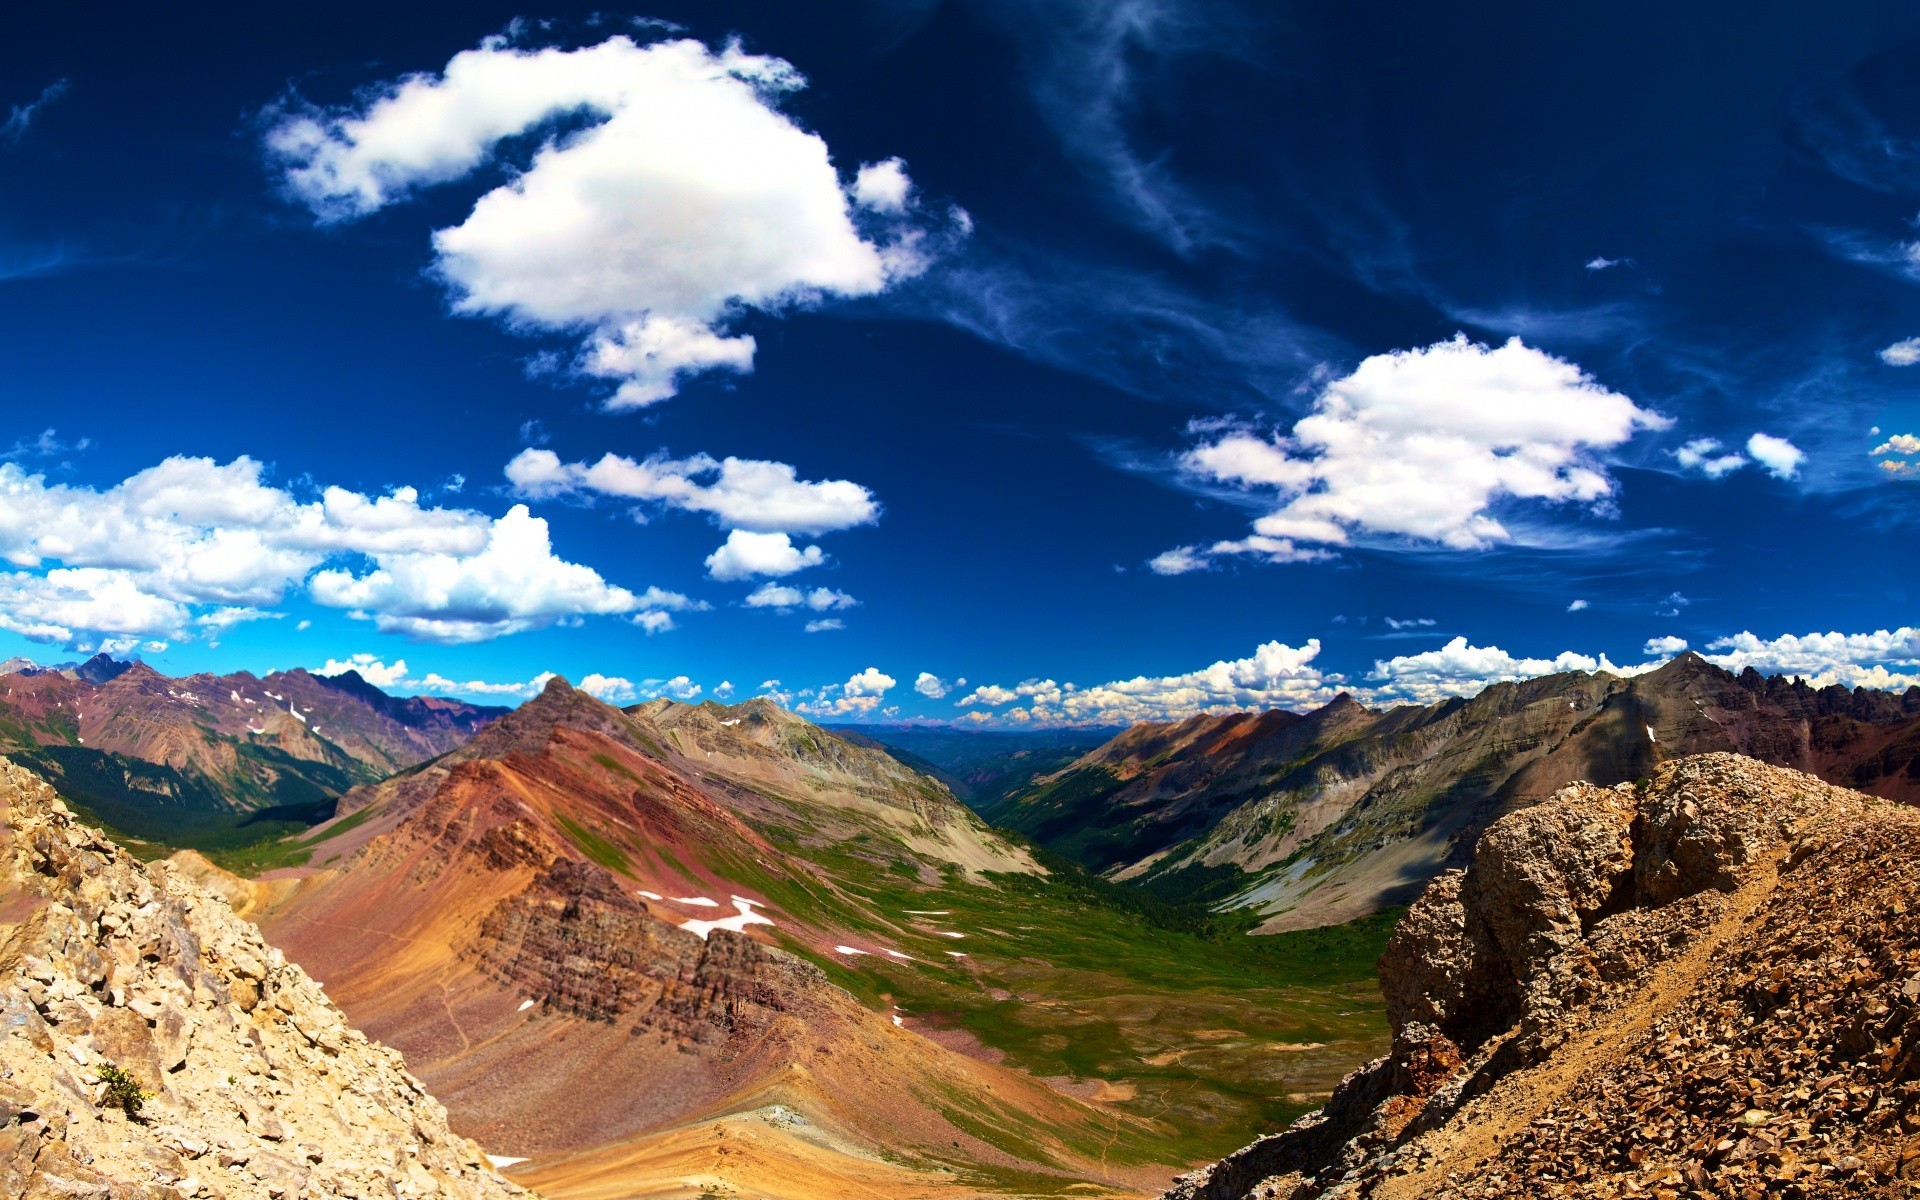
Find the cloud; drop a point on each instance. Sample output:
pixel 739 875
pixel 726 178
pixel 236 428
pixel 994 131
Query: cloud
pixel 825 625
pixel 783 597
pixel 1578 606
pixel 745 555
pixel 668 195
pixel 935 688
pixel 191 542
pixel 47 445
pixel 1780 457
pixel 512 584
pixel 1899 443
pixel 739 493
pixel 1671 605
pixel 1903 353
pixel 723 690
pixel 1411 623
pixel 1274 676
pixel 22 116
pixel 611 689
pixel 1703 455
pixel 1664 647
pixel 1462 669
pixel 860 695
pixel 1849 659
pixel 1420 446
pixel 1600 263
pixel 883 187
pixel 370 668
pixel 1178 561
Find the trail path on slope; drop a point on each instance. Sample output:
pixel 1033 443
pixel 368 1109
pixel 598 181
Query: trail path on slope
pixel 1516 1101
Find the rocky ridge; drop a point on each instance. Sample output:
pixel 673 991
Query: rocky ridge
pixel 255 1085
pixel 1705 985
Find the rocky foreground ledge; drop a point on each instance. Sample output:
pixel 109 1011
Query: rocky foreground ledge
pixel 1703 985
pixel 254 1085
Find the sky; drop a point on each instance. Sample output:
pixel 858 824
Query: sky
pixel 995 363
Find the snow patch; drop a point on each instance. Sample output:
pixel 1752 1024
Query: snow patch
pixel 847 950
pixel 734 924
pixel 949 933
pixel 928 912
pixel 897 954
pixel 499 1161
pixel 651 895
pixel 1650 736
pixel 955 954
pixel 697 901
pixel 524 1006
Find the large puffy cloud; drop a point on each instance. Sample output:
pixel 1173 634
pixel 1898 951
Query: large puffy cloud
pixel 1851 659
pixel 195 543
pixel 674 195
pixel 1423 446
pixel 514 583
pixel 746 554
pixel 613 689
pixel 739 493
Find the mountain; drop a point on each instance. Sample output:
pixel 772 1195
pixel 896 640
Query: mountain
pixel 216 759
pixel 237 1077
pixel 1319 817
pixel 1701 985
pixel 981 766
pixel 614 942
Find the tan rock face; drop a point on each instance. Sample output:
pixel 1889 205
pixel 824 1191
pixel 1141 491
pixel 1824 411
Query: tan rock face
pixel 254 1084
pixel 1705 986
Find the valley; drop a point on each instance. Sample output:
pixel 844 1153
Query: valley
pixel 675 949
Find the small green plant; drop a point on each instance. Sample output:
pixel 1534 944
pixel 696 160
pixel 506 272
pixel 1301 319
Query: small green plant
pixel 123 1090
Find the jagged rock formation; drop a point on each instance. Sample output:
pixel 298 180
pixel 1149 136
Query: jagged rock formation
pixel 256 1086
pixel 1708 985
pixel 1337 812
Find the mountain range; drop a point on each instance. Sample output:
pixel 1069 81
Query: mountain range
pixel 1315 818
pixel 215 760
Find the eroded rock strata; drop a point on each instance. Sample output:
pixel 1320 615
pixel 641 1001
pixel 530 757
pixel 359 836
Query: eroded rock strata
pixel 1707 984
pixel 254 1085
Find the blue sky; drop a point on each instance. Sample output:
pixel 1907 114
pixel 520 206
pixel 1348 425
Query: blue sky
pixel 1121 360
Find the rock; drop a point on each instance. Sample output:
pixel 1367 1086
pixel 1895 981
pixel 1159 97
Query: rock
pixel 139 968
pixel 1703 986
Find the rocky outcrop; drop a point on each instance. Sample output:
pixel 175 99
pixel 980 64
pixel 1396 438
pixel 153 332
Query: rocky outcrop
pixel 1704 985
pixel 586 948
pixel 250 1083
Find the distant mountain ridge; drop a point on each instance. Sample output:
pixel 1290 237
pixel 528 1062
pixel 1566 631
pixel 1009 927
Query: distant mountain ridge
pixel 178 760
pixel 1318 817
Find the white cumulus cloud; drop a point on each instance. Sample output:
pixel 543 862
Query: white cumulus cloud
pixel 1664 647
pixel 192 543
pixel 668 195
pixel 1899 443
pixel 738 493
pixel 933 687
pixel 1902 353
pixel 1707 456
pixel 1423 446
pixel 746 554
pixel 1779 456
pixel 370 667
pixel 1851 659
pixel 860 695
pixel 781 596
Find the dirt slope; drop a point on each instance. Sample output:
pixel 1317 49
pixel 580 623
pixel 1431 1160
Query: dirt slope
pixel 1706 986
pixel 536 921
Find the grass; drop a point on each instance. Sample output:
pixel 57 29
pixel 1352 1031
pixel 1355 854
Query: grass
pixel 1213 1035
pixel 595 846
